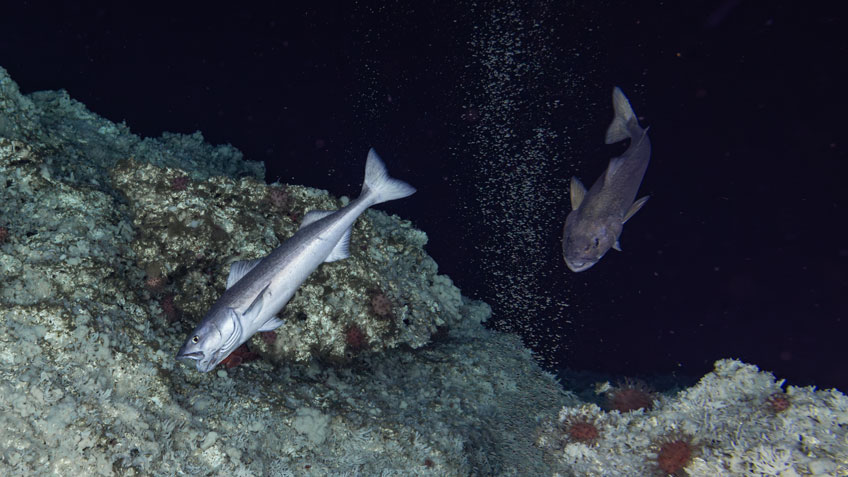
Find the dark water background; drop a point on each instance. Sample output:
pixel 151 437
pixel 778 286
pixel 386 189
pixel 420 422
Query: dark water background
pixel 741 251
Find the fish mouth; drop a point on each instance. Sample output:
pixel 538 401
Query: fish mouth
pixel 202 364
pixel 578 266
pixel 183 353
pixel 196 355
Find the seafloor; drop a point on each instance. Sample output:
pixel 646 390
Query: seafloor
pixel 113 246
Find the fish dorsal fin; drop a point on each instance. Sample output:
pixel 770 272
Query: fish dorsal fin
pixel 635 208
pixel 272 324
pixel 614 164
pixel 341 250
pixel 240 269
pixel 578 191
pixel 314 216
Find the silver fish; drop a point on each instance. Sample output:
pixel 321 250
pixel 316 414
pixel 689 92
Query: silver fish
pixel 258 289
pixel 598 216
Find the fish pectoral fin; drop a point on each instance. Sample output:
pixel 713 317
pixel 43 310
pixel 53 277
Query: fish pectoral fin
pixel 342 249
pixel 272 324
pixel 577 191
pixel 240 269
pixel 255 308
pixel 616 246
pixel 314 216
pixel 635 208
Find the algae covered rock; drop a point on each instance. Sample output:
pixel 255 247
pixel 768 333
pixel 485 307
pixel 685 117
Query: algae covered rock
pixel 736 421
pixel 100 251
pixel 387 293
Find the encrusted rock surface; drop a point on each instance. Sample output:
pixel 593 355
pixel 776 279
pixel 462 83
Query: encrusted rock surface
pixel 114 246
pixel 189 232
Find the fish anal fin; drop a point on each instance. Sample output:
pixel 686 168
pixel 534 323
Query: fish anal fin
pixel 635 208
pixel 577 192
pixel 341 250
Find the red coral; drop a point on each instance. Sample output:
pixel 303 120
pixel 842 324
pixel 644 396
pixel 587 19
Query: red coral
pixel 582 430
pixel 630 396
pixel 355 338
pixel 381 305
pixel 278 196
pixel 179 183
pixel 156 283
pixel 240 355
pixel 269 337
pixel 778 402
pixel 168 307
pixel 675 453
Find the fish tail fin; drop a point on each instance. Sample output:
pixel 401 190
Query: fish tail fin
pixel 379 185
pixel 620 128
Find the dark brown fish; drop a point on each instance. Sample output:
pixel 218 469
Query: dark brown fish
pixel 598 216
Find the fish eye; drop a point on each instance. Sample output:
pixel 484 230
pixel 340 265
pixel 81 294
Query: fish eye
pixel 597 241
pixel 196 339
